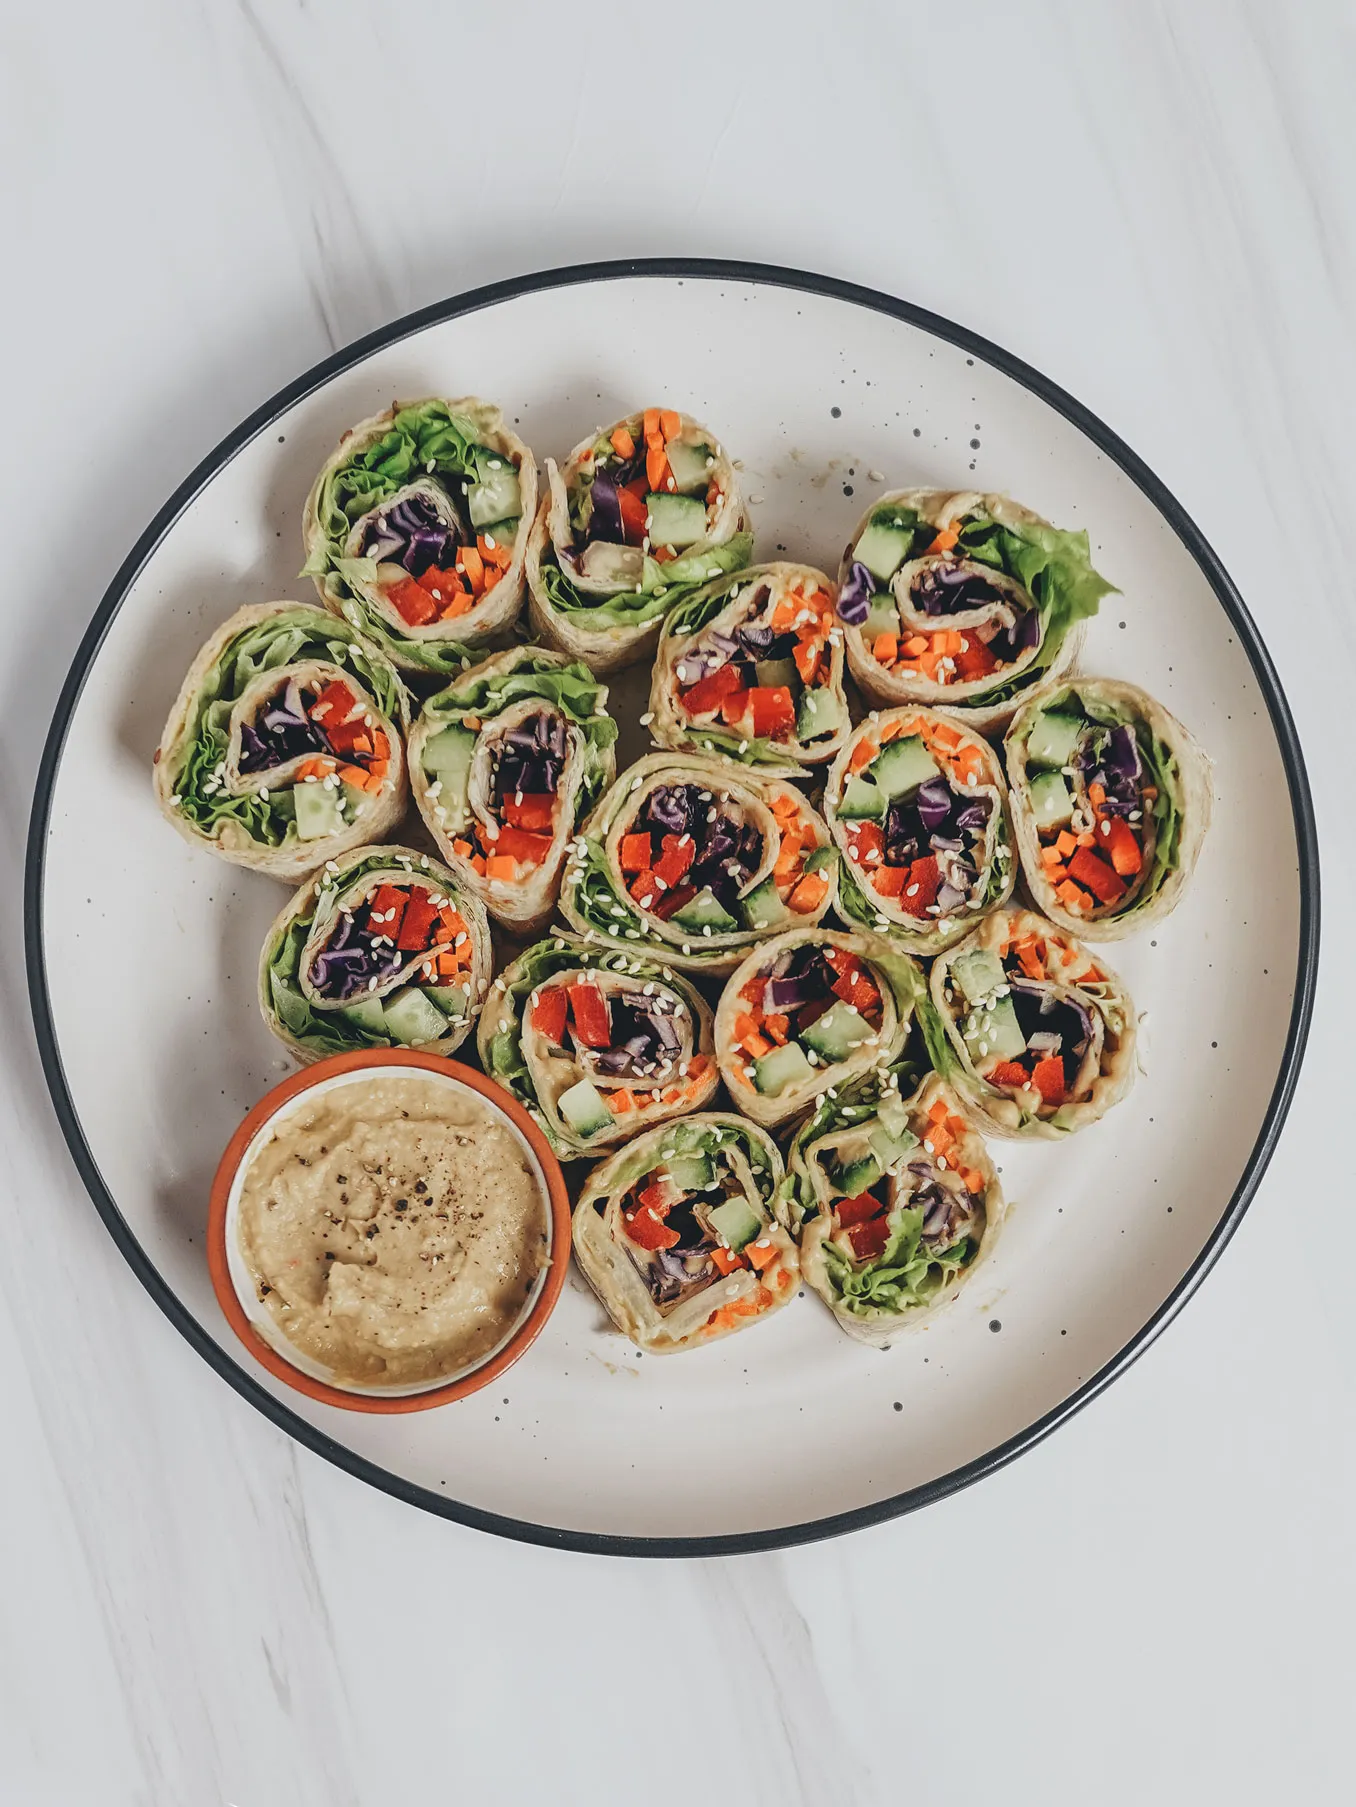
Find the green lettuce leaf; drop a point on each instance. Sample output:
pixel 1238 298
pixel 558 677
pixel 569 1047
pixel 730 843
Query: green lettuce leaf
pixel 573 689
pixel 284 639
pixel 662 586
pixel 533 967
pixel 320 1031
pixel 428 435
pixel 905 1275
pixel 684 1137
pixel 1055 567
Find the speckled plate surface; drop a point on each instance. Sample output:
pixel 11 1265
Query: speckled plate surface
pixel 829 394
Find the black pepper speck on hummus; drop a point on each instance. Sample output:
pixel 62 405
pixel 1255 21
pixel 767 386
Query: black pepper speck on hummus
pixel 393 1228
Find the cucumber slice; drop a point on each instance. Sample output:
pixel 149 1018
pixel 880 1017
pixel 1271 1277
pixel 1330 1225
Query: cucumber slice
pixel 495 496
pixel 502 533
pixel 705 911
pixel 818 712
pixel 781 1068
pixel 902 766
pixel 762 907
pixel 859 1176
pixel 1051 803
pixel 412 1018
pixel 883 548
pixel 979 974
pixel 675 520
pixel 735 1222
pixel 1053 738
pixel 689 464
pixel 318 812
pixel 605 563
pixel 881 618
pixel 584 1109
pixel 690 1172
pixel 834 1035
pixel 450 999
pixel 862 801
pixel 890 1147
pixel 775 672
pixel 368 1013
pixel 993 1032
pixel 447 755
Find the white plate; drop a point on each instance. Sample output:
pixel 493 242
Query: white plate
pixel 143 950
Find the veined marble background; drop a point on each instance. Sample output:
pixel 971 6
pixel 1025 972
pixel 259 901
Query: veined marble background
pixel 1155 204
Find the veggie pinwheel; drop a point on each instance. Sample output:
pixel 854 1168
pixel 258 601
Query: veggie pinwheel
pixel 962 601
pixel 1035 1034
pixel 504 764
pixel 752 667
pixel 1111 802
pixel 283 748
pixel 675 1234
pixel 917 805
pixel 638 517
pixel 416 530
pixel 894 1201
pixel 381 950
pixel 597 1045
pixel 809 1010
pixel 697 860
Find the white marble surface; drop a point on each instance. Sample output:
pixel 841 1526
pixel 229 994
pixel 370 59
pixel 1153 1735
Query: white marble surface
pixel 1154 204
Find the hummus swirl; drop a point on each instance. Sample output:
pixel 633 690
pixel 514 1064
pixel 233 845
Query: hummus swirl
pixel 394 1229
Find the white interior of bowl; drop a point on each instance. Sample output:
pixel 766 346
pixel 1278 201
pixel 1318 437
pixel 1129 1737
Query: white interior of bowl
pixel 152 945
pixel 262 1319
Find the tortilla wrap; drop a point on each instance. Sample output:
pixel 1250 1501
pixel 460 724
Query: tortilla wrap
pixel 1134 790
pixel 506 762
pixel 333 976
pixel 923 833
pixel 595 590
pixel 894 1200
pixel 651 1057
pixel 1035 1035
pixel 711 1257
pixel 274 660
pixel 405 496
pixel 743 855
pixel 808 1010
pixel 962 601
pixel 754 635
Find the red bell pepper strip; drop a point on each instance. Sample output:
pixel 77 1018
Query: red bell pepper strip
pixel 413 603
pixel 773 711
pixel 679 853
pixel 637 853
pixel 976 661
pixel 708 693
pixel 923 884
pixel 1094 874
pixel 592 1020
pixel 861 1209
pixel 549 1013
pixel 535 813
pixel 635 516
pixel 416 925
pixel 648 1230
pixel 1048 1079
pixel 517 844
pixel 1126 855
pixel 388 904
pixel 869 1239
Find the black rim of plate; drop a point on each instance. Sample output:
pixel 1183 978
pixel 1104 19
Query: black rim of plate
pixel 721 270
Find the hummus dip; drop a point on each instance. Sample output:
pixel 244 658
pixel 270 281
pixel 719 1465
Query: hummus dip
pixel 394 1229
